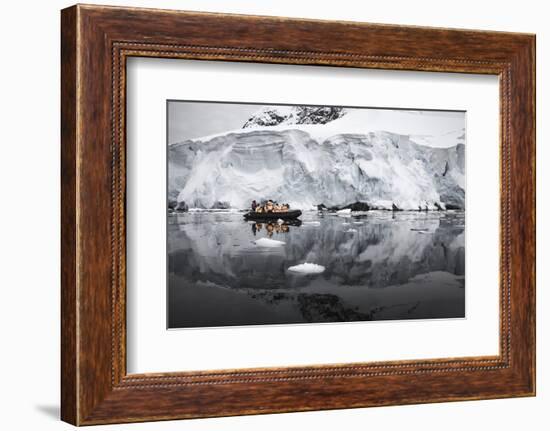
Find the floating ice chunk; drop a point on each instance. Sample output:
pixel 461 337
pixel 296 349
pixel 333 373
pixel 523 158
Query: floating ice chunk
pixel 424 231
pixel 346 211
pixel 307 268
pixel 280 221
pixel 345 223
pixel 312 223
pixel 266 242
pixel 358 222
pixel 351 231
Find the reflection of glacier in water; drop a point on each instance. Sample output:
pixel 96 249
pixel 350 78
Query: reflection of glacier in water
pixel 378 266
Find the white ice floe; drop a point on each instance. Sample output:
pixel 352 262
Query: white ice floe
pixel 346 211
pixel 266 242
pixel 312 223
pixel 358 222
pixel 345 223
pixel 307 268
pixel 280 221
pixel 423 231
pixel 351 231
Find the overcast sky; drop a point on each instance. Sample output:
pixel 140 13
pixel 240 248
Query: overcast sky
pixel 189 120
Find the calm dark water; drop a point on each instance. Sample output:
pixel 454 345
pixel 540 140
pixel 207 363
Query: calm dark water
pixel 378 266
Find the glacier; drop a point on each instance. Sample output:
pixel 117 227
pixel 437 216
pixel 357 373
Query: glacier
pixel 331 157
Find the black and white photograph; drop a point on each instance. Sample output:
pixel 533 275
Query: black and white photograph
pixel 275 215
pixel 290 214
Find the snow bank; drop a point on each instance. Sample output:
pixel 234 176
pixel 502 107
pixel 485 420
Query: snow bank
pixel 307 268
pixel 270 243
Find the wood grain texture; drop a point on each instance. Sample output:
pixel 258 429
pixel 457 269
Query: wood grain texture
pixel 96 41
pixel 69 366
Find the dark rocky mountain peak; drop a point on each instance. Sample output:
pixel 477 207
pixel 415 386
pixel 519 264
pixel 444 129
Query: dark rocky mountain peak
pixel 276 115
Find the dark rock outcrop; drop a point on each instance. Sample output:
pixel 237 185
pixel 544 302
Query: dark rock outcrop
pixel 453 207
pixel 357 206
pixel 220 205
pixel 274 115
pixel 181 206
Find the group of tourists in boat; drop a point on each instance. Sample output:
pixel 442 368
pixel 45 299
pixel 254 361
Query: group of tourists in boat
pixel 269 207
pixel 271 210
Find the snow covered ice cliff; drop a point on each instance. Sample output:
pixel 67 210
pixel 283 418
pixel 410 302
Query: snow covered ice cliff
pixel 307 156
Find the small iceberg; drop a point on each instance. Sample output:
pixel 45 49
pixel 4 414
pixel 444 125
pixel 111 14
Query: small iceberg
pixel 422 231
pixel 312 223
pixel 307 268
pixel 280 221
pixel 266 242
pixel 358 222
pixel 345 211
pixel 351 231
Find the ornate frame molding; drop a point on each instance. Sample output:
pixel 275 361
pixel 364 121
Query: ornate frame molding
pixel 96 41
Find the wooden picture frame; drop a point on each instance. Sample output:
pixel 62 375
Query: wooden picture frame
pixel 95 43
